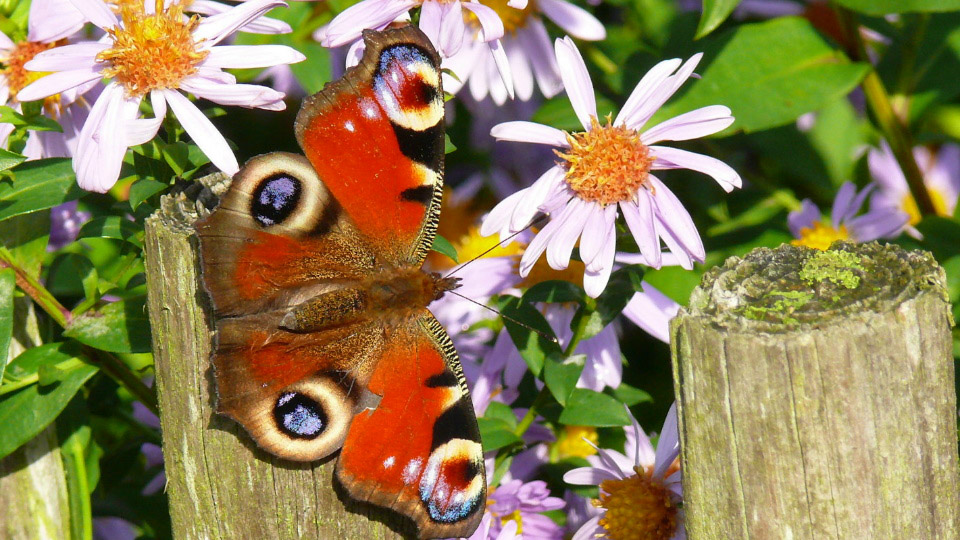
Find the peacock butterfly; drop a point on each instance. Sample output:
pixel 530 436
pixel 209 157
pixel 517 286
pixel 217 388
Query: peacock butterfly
pixel 313 265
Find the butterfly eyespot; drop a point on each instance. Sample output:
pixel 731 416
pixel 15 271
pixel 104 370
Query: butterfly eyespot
pixel 275 199
pixel 452 484
pixel 299 416
pixel 407 84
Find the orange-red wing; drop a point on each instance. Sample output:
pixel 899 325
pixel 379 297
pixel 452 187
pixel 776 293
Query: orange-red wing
pixel 419 450
pixel 375 137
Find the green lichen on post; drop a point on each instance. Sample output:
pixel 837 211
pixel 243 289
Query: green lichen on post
pixel 833 265
pixel 795 285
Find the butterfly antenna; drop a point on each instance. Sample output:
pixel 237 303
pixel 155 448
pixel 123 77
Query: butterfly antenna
pixel 498 244
pixel 508 318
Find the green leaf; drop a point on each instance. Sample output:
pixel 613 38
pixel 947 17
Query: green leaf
pixel 588 408
pixel 448 145
pixel 26 412
pixel 38 185
pixel 443 246
pixel 116 227
pixel 555 291
pixel 33 122
pixel 67 274
pixel 120 327
pixel 503 412
pixel 313 72
pixel 143 189
pixel 769 74
pixel 630 395
pixel 623 284
pixel 940 236
pixel 884 7
pixel 10 159
pixel 714 13
pixel 530 340
pixel 496 434
pixel 7 288
pixel 26 236
pixel 561 375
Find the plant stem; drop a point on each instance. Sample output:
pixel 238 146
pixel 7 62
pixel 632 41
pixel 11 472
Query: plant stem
pixel 109 363
pixel 892 126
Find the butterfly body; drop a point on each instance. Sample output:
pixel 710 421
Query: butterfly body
pixel 313 265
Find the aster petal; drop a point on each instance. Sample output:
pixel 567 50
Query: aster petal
pixel 804 218
pixel 595 279
pixel 538 245
pixel 102 141
pixel 536 196
pixel 244 95
pixel 841 203
pixel 668 447
pixel 97 12
pixel 674 217
pixel 576 80
pixel 652 311
pixel 52 20
pixel 861 198
pixel 251 56
pixel 887 172
pixel 878 223
pixel 523 81
pixel 518 4
pixel 67 57
pixel 354 53
pixel 215 28
pixel 692 125
pixel 431 19
pixel 573 219
pixel 678 251
pixel 590 530
pixel 647 85
pixel 535 42
pixel 490 24
pixel 639 216
pixel 575 21
pixel 588 476
pixel 529 132
pixel 142 130
pixel 56 83
pixel 498 220
pixel 202 131
pixel 661 93
pixel 674 158
pixel 503 66
pixel 596 231
pixel 261 25
pixel 452 29
pixel 6 44
pixel 639 450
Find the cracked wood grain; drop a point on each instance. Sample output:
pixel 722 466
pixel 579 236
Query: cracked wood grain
pixel 835 417
pixel 220 484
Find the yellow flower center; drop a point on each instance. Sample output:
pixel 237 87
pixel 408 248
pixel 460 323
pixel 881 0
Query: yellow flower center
pixel 513 18
pixel 821 235
pixel 637 508
pixel 152 51
pixel 23 52
pixel 909 205
pixel 471 246
pixel 606 164
pixel 513 516
pixel 571 442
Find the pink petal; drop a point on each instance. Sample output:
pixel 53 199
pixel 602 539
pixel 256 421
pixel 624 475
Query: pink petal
pixel 517 4
pixel 451 28
pixel 594 232
pixel 68 57
pixel 536 43
pixel 538 245
pixel 588 476
pixel 576 80
pixel 490 23
pixel 639 216
pixel 673 158
pixel 142 130
pixel 346 27
pixel 573 20
pixel 650 82
pixel 541 190
pixel 102 140
pixel 251 56
pixel 692 125
pixel 52 20
pixel 523 80
pixel 668 447
pixel 215 28
pixel 595 280
pixel 56 83
pixel 661 93
pixel 6 44
pixel 652 311
pixel 431 19
pixel 590 530
pixel 573 219
pixel 262 25
pixel 675 218
pixel 97 12
pixel 529 132
pixel 244 95
pixel 498 220
pixel 202 131
pixel 503 65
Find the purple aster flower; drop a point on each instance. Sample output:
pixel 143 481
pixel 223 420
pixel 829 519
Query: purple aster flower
pixel 640 490
pixel 607 169
pixel 811 229
pixel 129 55
pixel 652 311
pixel 523 502
pixel 941 176
pixel 65 223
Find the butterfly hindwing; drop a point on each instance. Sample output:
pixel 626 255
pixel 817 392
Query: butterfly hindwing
pixel 376 138
pixel 419 451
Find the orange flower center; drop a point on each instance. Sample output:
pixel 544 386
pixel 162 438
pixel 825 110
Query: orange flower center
pixel 23 52
pixel 606 164
pixel 637 508
pixel 152 51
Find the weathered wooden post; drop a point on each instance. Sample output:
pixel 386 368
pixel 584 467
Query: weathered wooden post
pixel 815 396
pixel 221 486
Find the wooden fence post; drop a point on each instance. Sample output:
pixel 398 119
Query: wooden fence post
pixel 221 486
pixel 815 397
